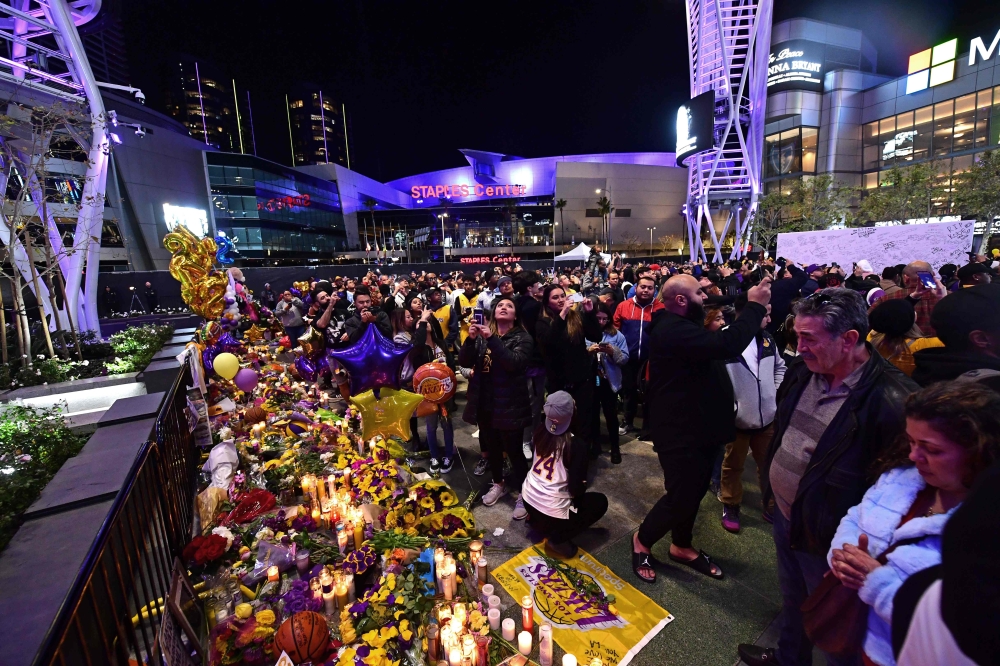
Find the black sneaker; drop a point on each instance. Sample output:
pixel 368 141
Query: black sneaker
pixel 481 466
pixel 507 469
pixel 435 466
pixel 754 655
pixel 446 464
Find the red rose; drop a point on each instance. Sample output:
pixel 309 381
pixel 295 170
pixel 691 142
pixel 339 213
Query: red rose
pixel 188 554
pixel 212 548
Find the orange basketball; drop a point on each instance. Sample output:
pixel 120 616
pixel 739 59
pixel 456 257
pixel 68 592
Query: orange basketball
pixel 255 414
pixel 304 637
pixel 435 382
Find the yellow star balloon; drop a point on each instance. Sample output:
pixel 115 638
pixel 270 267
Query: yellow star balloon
pixel 254 334
pixel 390 416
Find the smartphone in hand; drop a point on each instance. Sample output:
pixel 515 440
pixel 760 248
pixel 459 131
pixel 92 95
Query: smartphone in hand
pixel 478 316
pixel 927 279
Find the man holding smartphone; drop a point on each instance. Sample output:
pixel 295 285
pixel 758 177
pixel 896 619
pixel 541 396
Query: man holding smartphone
pixel 917 291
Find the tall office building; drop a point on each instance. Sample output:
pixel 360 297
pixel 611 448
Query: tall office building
pixel 316 128
pixel 201 96
pixel 104 41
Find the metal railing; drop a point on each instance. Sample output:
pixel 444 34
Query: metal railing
pixel 111 614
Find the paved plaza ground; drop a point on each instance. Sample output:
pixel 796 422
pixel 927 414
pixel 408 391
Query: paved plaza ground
pixel 711 617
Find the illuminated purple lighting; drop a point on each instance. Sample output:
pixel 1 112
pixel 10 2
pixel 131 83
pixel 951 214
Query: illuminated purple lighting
pixel 115 138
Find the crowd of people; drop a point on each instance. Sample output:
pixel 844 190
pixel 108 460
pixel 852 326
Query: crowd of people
pixel 868 402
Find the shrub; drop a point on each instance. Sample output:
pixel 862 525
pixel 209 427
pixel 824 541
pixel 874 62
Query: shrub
pixel 134 347
pixel 34 444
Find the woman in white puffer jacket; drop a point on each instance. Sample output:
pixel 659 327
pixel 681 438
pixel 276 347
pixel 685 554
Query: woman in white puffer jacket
pixel 952 434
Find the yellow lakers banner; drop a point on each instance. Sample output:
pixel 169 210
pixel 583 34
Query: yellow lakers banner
pixel 580 627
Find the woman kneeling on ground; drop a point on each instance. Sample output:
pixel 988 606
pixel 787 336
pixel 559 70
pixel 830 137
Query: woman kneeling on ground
pixel 555 490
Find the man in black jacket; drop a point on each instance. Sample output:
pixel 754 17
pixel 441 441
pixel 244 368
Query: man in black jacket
pixel 839 404
pixel 365 314
pixel 688 430
pixel 968 323
pixel 787 285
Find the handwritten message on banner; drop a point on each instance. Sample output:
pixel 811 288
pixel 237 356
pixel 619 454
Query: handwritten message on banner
pixel 938 244
pixel 580 628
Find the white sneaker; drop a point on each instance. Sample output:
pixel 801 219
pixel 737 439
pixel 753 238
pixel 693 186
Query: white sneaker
pixel 622 429
pixel 496 491
pixel 520 513
pixel 526 448
pixel 476 434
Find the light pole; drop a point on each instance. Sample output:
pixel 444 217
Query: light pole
pixel 554 225
pixel 651 230
pixel 607 221
pixel 444 251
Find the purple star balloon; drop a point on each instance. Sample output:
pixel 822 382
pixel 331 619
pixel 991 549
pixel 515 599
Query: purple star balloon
pixel 372 362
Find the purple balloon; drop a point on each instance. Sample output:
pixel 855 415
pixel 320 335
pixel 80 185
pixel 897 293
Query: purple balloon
pixel 372 362
pixel 208 358
pixel 323 366
pixel 306 368
pixel 295 292
pixel 246 380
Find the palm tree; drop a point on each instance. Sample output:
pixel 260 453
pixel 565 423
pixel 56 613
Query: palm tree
pixel 560 204
pixel 510 207
pixel 604 207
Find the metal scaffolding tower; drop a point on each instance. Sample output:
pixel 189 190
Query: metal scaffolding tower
pixel 728 46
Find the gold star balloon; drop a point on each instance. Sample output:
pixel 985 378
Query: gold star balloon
pixel 254 334
pixel 388 416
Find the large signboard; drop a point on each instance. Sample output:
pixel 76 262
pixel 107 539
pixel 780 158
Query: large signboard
pixel 695 127
pixel 795 65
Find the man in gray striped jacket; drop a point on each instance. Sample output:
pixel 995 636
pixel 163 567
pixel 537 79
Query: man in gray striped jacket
pixel 756 375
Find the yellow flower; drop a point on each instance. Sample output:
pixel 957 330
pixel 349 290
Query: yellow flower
pixel 265 617
pixel 427 502
pixel 409 519
pixel 398 614
pixel 390 581
pixel 347 657
pixel 262 632
pixel 243 611
pixel 373 639
pixel 343 440
pixel 613 610
pixel 404 630
pixel 448 499
pixel 476 620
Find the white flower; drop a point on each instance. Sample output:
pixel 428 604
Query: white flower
pixel 265 533
pixel 84 362
pixel 41 356
pixel 224 532
pixel 325 457
pixel 24 457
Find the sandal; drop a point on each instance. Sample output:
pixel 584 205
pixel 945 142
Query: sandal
pixel 644 561
pixel 702 564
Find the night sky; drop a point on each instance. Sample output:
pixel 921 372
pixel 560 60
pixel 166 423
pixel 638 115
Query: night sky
pixel 421 80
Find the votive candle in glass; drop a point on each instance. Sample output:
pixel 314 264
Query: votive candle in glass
pixel 459 615
pixel 468 647
pixel 317 588
pixel 302 562
pixel 475 550
pixel 433 642
pixel 487 593
pixel 273 574
pixel 507 629
pixel 569 660
pixel 524 643
pixel 527 614
pixel 494 616
pixel 545 644
pixel 455 657
pixel 481 570
pixel 359 533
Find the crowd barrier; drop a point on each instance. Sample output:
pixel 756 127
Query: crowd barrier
pixel 111 614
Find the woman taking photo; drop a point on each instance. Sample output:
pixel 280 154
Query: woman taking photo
pixel 497 399
pixel 562 332
pixel 952 435
pixel 610 355
pixel 555 490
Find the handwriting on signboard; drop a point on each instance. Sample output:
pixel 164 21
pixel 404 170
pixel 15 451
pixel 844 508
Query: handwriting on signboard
pixel 864 232
pixel 477 190
pixel 281 203
pixel 490 260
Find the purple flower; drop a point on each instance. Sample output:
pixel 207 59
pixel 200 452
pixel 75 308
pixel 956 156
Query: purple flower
pixel 300 585
pixel 359 608
pixel 390 600
pixel 294 605
pixel 363 651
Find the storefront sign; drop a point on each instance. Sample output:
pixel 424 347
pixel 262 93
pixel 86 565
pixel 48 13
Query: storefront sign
pixel 280 203
pixel 931 67
pixel 978 47
pixel 797 64
pixel 476 190
pixel 497 259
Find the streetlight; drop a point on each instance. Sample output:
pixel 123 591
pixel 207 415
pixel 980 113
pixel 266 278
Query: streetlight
pixel 554 225
pixel 651 230
pixel 444 256
pixel 607 223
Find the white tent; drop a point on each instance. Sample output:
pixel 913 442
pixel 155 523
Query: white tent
pixel 580 253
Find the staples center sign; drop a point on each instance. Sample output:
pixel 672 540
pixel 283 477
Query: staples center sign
pixel 476 190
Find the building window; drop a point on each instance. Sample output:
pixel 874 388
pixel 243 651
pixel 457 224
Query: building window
pixel 623 212
pixel 593 212
pixel 790 153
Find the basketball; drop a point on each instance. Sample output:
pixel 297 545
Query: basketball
pixel 290 428
pixel 304 637
pixel 255 414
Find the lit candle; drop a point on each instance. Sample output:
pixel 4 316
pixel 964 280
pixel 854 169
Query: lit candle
pixel 342 539
pixel 433 642
pixel 321 488
pixel 448 581
pixel 302 562
pixel 349 577
pixel 487 593
pixel 324 399
pixel 524 643
pixel 329 595
pixel 317 589
pixel 359 533
pixel 475 550
pixel 527 617
pixel 508 629
pixel 317 517
pixel 308 486
pixel 458 615
pixel 545 644
pixel 481 570
pixel 596 661
pixel 455 657
pixel 494 616
pixel 469 647
pixel 347 477
pixel 273 574
pixel 438 564
pixel 340 589
pixel 569 660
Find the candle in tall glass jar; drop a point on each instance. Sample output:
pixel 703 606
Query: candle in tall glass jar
pixel 455 657
pixel 469 647
pixel 475 550
pixel 545 644
pixel 527 614
pixel 458 615
pixel 359 533
pixel 481 571
pixel 568 660
pixel 433 633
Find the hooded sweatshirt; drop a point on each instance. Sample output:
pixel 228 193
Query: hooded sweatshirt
pixel 943 364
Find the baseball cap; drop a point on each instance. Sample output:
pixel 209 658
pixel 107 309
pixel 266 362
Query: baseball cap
pixel 654 267
pixel 812 267
pixel 967 271
pixel 505 278
pixel 559 408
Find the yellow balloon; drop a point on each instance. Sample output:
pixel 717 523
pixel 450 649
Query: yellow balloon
pixel 389 416
pixel 226 365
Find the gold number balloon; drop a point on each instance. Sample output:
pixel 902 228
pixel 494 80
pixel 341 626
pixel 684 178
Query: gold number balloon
pixel 202 287
pixel 390 416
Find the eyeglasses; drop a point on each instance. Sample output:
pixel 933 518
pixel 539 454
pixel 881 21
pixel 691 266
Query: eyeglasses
pixel 819 298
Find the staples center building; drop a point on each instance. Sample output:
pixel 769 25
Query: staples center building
pixel 828 112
